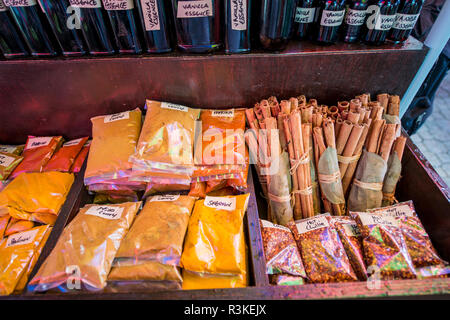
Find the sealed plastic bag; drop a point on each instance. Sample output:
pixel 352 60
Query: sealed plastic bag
pixel 64 158
pixel 8 162
pixel 114 140
pixel 198 189
pixel 36 154
pixel 4 221
pixel 280 250
pixel 115 197
pixel 36 196
pixel 323 254
pixel 153 188
pixel 215 239
pixel 145 270
pixel 79 160
pixel 385 250
pixel 17 150
pixel 16 226
pixel 16 252
pixel 86 248
pixel 195 281
pixel 286 280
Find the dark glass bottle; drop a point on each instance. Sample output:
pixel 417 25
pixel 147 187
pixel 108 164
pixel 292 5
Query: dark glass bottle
pixel 198 25
pixel 305 14
pixel 237 21
pixel 90 16
pixel 71 40
pixel 33 26
pixel 11 42
pixel 354 20
pixel 405 19
pixel 155 21
pixel 121 14
pixel 277 17
pixel 379 20
pixel 331 16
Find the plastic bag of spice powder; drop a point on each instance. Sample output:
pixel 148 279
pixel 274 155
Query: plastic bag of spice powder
pixel 280 250
pixel 418 242
pixel 384 246
pixel 323 254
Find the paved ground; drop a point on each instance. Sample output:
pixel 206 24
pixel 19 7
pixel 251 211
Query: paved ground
pixel 433 138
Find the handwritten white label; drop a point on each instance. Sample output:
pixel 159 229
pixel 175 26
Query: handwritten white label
pixel 72 142
pixel 37 142
pixel 405 21
pixel 117 116
pixel 268 224
pixel 6 148
pixel 150 13
pixel 223 113
pixel 19 3
pixel 105 212
pixel 166 197
pixel 397 211
pixel 378 21
pixel 2 6
pixel 351 229
pixel 304 15
pixel 355 17
pixel 5 160
pixel 118 4
pixel 194 9
pixel 221 203
pixel 86 3
pixel 238 14
pixel 312 224
pixel 173 106
pixel 332 18
pixel 22 238
pixel 374 219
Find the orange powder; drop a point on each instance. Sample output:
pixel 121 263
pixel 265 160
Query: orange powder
pixel 16 226
pixel 79 160
pixel 63 159
pixel 198 189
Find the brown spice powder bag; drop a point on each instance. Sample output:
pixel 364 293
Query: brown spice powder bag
pixel 148 270
pixel 87 247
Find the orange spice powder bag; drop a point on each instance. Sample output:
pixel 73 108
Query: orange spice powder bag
pixel 8 162
pixel 196 281
pixel 16 226
pixel 37 152
pixel 79 160
pixel 86 247
pixel 4 221
pixel 63 159
pixel 198 189
pixel 16 252
pixel 114 141
pixel 215 240
pixel 153 188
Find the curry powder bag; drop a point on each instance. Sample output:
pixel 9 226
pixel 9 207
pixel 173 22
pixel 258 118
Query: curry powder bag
pixel 215 240
pixel 86 247
pixel 63 159
pixel 147 270
pixel 16 252
pixel 8 162
pixel 153 188
pixel 196 281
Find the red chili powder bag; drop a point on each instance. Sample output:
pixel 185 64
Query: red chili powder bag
pixel 323 254
pixel 79 160
pixel 64 158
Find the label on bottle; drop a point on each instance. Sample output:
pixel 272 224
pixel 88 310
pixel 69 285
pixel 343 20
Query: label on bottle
pixel 221 203
pixel 2 6
pixel 21 238
pixel 151 15
pixel 166 197
pixel 86 3
pixel 173 106
pixel 378 21
pixel 238 11
pixel 105 212
pixel 405 21
pixel 332 18
pixel 37 142
pixel 118 4
pixel 19 3
pixel 194 9
pixel 5 161
pixel 116 117
pixel 304 15
pixel 355 17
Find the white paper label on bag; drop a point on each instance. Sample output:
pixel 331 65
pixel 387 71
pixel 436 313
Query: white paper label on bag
pixel 86 3
pixel 268 224
pixel 2 6
pixel 150 13
pixel 405 21
pixel 19 3
pixel 194 9
pixel 332 18
pixel 166 197
pixel 238 11
pixel 118 4
pixel 173 106
pixel 105 212
pixel 373 219
pixel 5 160
pixel 72 142
pixel 37 142
pixel 397 211
pixel 355 17
pixel 117 117
pixel 351 229
pixel 21 238
pixel 304 15
pixel 221 203
pixel 312 224
pixel 223 113
pixel 7 149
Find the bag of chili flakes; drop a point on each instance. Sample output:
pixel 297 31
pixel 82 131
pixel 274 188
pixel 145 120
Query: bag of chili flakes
pixel 384 245
pixel 323 254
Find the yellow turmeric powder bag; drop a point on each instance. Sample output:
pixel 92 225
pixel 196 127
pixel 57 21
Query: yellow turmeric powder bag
pixel 8 162
pixel 16 252
pixel 114 139
pixel 194 281
pixel 159 230
pixel 215 240
pixel 16 226
pixel 86 248
pixel 36 196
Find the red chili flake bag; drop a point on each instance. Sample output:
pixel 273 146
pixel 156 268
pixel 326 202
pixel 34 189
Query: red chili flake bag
pixel 384 246
pixel 64 158
pixel 280 250
pixel 322 251
pixel 79 160
pixel 418 242
pixel 351 239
